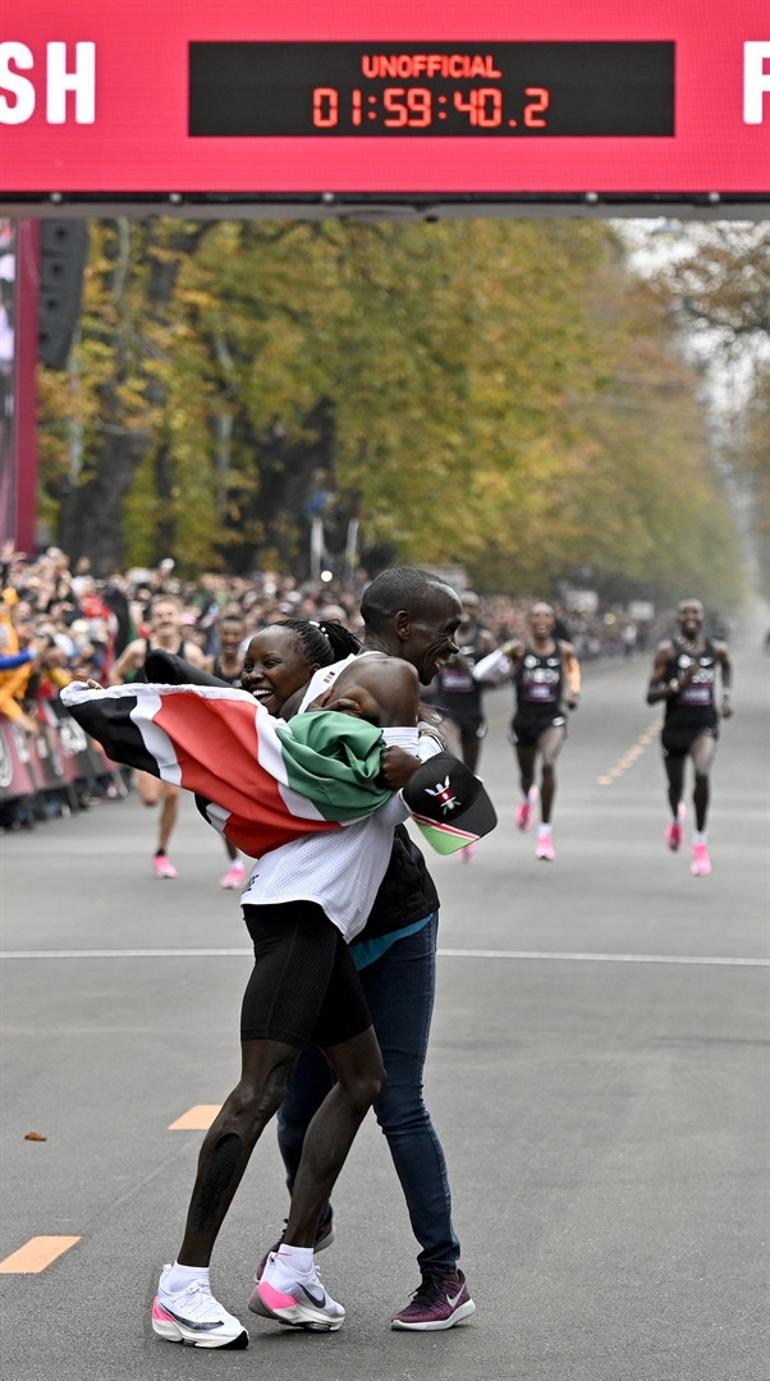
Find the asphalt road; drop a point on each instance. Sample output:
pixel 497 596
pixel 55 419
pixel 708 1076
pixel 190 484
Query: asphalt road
pixel 598 1075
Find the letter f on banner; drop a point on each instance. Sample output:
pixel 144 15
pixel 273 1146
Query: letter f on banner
pixel 756 81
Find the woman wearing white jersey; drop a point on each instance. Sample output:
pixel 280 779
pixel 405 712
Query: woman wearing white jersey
pixel 301 906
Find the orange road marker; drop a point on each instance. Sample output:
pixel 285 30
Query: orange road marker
pixel 630 756
pixel 35 1255
pixel 197 1119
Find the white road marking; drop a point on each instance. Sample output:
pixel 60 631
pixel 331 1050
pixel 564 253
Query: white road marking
pixel 562 956
pixel 566 956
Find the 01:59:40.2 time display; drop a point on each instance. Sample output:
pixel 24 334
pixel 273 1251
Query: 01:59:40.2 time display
pixel 417 107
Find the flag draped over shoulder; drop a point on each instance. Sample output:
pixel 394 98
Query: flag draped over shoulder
pixel 264 782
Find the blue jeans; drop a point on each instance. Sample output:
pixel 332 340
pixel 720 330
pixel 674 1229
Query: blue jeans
pixel 400 988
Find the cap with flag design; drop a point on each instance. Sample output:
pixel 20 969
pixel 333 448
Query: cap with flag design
pixel 449 804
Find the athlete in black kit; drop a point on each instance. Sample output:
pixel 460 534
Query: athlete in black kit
pixel 546 674
pixel 457 695
pixel 684 675
pixel 166 635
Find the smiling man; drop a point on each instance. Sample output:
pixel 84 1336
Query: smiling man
pixel 410 621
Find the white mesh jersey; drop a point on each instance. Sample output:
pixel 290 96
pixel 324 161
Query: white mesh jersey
pixel 342 870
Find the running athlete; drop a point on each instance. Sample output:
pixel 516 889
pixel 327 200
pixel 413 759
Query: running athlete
pixel 302 903
pixel 166 633
pixel 227 665
pixel 457 695
pixel 684 675
pixel 546 674
pixel 228 662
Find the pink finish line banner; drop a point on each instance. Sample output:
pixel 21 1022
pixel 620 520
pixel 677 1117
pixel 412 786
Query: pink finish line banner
pixel 388 97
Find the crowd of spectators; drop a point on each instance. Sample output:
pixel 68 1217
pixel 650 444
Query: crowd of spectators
pixel 58 623
pixel 604 632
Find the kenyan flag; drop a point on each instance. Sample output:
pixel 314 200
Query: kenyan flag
pixel 263 782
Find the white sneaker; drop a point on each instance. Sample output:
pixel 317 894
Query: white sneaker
pixel 299 1301
pixel 193 1316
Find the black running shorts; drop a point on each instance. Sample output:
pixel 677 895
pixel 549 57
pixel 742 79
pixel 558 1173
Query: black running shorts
pixel 677 739
pixel 527 728
pixel 304 986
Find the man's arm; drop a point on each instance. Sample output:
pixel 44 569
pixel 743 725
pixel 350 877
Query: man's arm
pixel 659 688
pixel 726 668
pixel 384 691
pixel 193 654
pixel 514 650
pixel 571 667
pixel 130 658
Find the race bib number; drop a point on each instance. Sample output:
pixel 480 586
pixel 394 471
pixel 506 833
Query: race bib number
pixel 696 695
pixel 455 681
pixel 538 691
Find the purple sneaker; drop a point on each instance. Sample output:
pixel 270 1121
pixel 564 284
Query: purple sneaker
pixel 440 1302
pixel 324 1238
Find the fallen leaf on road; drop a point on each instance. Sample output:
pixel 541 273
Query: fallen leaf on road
pixel 34 1136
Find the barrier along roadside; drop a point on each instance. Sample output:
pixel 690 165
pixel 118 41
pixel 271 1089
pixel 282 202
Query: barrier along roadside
pixel 56 771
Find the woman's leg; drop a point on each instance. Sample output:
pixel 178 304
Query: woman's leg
pixel 296 954
pixel 265 1073
pixel 311 1081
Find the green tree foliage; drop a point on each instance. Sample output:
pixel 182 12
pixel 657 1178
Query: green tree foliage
pixel 752 458
pixel 503 394
pixel 722 289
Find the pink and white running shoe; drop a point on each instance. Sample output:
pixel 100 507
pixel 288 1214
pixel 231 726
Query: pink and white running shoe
pixel 524 812
pixel 297 1302
pixel 194 1317
pixel 233 878
pixel 163 867
pixel 675 829
pixel 701 863
pixel 544 848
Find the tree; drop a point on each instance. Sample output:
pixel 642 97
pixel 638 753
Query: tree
pixel 503 394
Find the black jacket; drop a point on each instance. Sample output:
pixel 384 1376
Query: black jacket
pixel 407 891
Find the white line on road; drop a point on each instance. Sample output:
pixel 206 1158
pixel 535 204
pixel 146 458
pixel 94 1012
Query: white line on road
pixel 576 958
pixel 562 956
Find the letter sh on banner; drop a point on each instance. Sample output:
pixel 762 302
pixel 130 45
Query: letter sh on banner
pixel 609 102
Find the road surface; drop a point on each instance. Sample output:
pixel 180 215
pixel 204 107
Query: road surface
pixel 598 1073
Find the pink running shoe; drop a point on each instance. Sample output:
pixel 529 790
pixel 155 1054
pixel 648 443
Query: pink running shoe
pixel 701 863
pixel 524 812
pixel 544 848
pixel 675 829
pixel 233 878
pixel 467 854
pixel 163 867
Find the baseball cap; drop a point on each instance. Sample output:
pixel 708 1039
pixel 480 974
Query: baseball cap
pixel 449 805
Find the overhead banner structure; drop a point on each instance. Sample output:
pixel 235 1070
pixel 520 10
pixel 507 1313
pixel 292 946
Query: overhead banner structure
pixel 229 98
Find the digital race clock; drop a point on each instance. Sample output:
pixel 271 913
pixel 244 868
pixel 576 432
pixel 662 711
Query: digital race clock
pixel 332 102
pixel 509 90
